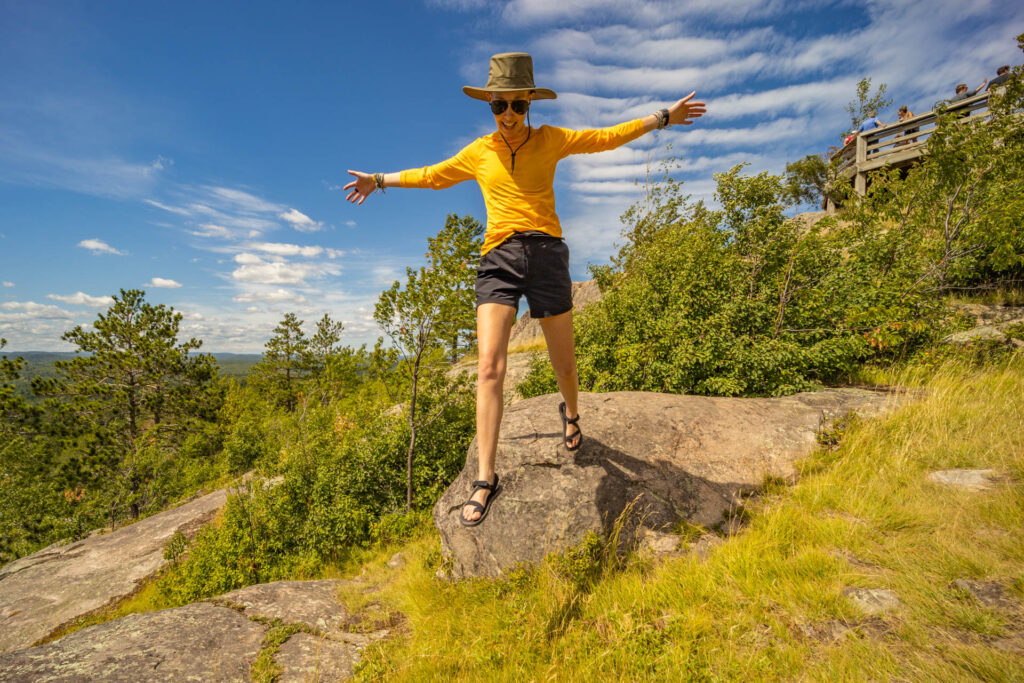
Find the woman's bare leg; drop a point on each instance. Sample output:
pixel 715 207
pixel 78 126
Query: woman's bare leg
pixel 562 351
pixel 493 326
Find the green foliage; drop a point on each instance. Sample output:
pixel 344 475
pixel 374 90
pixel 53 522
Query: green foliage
pixel 866 103
pixel 453 255
pixel 808 180
pixel 424 315
pixel 285 362
pixel 956 218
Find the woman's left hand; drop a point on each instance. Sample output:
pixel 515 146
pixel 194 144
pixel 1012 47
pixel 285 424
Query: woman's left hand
pixel 684 110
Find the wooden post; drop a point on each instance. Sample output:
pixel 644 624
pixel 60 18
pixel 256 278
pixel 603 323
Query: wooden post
pixel 860 180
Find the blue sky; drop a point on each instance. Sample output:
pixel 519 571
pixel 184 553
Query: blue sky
pixel 197 149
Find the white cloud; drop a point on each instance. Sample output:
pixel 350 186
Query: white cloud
pixel 28 310
pixel 253 309
pixel 300 221
pixel 163 283
pixel 350 224
pixel 276 296
pixel 256 270
pixel 212 230
pixel 8 284
pixel 283 249
pixel 83 299
pixel 165 207
pixel 99 247
pixel 243 200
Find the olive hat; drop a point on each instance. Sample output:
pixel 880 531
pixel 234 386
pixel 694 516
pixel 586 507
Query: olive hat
pixel 509 72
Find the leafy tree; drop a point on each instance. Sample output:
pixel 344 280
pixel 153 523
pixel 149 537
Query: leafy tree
pixel 422 318
pixel 133 386
pixel 808 179
pixel 453 256
pixel 285 361
pixel 865 103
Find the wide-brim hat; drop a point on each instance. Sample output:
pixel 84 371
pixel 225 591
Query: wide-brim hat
pixel 509 72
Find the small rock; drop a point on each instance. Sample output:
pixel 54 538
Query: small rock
pixel 659 543
pixel 825 631
pixel 982 333
pixel 968 480
pixel 873 600
pixel 397 561
pixel 701 549
pixel 305 657
pixel 988 593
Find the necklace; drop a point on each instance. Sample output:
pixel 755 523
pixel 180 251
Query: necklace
pixel 529 130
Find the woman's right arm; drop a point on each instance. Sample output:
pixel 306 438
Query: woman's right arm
pixel 460 167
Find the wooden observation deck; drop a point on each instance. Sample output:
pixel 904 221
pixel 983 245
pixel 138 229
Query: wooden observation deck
pixel 898 145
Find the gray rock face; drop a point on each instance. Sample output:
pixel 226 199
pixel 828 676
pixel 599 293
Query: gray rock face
pixel 42 591
pixel 199 642
pixel 679 457
pixel 305 657
pixel 311 603
pixel 216 640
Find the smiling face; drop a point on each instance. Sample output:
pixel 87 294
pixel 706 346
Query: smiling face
pixel 509 123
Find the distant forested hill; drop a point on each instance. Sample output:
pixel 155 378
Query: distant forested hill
pixel 40 364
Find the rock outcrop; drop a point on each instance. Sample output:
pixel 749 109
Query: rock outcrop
pixel 527 328
pixel 216 640
pixel 42 591
pixel 679 457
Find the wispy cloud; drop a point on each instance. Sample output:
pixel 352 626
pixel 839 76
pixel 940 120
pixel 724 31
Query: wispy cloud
pixel 100 247
pixel 83 299
pixel 300 221
pixel 8 284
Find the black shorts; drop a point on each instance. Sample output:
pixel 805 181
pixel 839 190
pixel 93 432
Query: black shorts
pixel 531 263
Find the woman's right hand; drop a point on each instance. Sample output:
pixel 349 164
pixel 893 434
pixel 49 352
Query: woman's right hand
pixel 362 187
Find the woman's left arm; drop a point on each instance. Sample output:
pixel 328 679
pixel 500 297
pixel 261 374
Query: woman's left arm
pixel 682 112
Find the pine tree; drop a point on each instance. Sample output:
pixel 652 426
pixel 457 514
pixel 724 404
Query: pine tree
pixel 285 362
pixel 132 379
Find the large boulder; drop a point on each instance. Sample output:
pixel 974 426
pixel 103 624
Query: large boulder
pixel 679 457
pixel 216 640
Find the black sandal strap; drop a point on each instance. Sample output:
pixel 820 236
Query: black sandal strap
pixel 483 485
pixel 479 506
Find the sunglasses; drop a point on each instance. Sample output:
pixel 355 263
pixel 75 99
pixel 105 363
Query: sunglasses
pixel 498 107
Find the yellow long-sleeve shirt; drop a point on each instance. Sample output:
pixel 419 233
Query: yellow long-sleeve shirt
pixel 525 199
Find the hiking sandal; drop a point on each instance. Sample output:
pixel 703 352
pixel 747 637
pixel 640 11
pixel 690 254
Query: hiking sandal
pixel 574 422
pixel 487 486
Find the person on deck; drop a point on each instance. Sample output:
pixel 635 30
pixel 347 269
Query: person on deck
pixel 962 93
pixel 904 113
pixel 1002 76
pixel 523 251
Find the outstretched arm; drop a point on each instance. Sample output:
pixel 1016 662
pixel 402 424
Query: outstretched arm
pixel 364 185
pixel 682 112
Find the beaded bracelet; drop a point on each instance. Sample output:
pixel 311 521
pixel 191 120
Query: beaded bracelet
pixel 378 180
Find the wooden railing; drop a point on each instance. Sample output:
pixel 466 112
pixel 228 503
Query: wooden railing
pixel 899 144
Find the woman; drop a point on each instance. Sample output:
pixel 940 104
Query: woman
pixel 904 114
pixel 523 251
